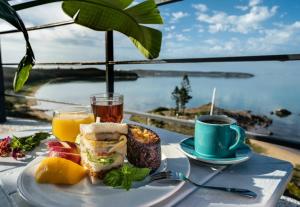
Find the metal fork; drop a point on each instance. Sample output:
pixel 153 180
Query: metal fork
pixel 169 175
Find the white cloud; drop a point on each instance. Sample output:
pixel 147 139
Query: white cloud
pixel 170 28
pixel 283 14
pixel 200 7
pixel 5 26
pixel 245 23
pixel 169 36
pixel 186 29
pixel 202 48
pixel 280 39
pixel 167 14
pixel 242 8
pixel 43 14
pixel 176 37
pixel 181 37
pixel 231 46
pixel 211 41
pixel 254 2
pixel 200 28
pixel 273 39
pixel 175 16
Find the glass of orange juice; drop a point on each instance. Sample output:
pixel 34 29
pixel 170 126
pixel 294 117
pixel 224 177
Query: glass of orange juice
pixel 66 122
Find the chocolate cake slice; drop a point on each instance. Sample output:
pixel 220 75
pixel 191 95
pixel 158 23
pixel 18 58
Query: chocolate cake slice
pixel 143 147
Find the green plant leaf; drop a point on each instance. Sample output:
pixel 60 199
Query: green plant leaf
pixel 150 45
pixel 139 174
pixel 8 14
pixel 113 178
pixel 145 13
pixel 102 16
pixel 121 4
pixel 23 71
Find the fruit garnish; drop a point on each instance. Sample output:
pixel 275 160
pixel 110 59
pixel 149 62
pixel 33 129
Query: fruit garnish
pixel 124 176
pixel 58 170
pixel 74 157
pixel 52 144
pixel 65 150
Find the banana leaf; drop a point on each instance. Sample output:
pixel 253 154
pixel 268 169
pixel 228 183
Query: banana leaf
pixel 8 14
pixel 98 15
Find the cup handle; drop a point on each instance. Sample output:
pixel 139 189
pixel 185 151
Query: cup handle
pixel 240 137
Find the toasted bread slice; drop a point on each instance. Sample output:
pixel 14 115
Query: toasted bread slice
pixel 105 127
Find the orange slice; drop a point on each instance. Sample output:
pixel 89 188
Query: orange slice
pixel 58 170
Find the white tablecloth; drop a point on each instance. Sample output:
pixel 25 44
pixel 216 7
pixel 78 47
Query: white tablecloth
pixel 264 175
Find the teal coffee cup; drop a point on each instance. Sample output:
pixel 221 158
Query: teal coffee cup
pixel 217 136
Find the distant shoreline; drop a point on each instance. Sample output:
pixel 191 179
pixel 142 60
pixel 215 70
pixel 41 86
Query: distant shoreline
pixel 208 74
pixel 39 76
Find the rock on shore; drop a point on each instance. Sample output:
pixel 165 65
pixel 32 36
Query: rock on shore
pixel 282 112
pixel 247 120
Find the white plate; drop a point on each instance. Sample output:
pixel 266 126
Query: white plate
pixel 86 194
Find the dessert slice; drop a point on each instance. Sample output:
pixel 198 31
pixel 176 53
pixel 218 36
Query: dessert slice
pixel 143 147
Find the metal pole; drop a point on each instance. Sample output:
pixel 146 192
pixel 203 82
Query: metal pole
pixel 2 98
pixel 109 43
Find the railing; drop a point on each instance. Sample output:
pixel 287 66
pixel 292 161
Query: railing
pixel 188 123
pixel 256 58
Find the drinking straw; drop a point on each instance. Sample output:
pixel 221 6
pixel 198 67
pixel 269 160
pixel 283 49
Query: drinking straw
pixel 212 102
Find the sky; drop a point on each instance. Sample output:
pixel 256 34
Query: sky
pixel 192 28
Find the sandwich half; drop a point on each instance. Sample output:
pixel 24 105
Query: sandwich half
pixel 102 148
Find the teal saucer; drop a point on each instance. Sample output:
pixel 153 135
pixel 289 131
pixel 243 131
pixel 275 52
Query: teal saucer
pixel 241 155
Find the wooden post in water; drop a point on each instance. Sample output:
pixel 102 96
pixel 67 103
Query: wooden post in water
pixel 109 47
pixel 2 98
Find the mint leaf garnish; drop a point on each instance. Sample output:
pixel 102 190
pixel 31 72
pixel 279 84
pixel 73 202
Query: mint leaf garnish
pixel 139 174
pixel 124 176
pixel 113 178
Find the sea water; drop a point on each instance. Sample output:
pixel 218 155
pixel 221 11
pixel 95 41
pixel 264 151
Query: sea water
pixel 273 87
